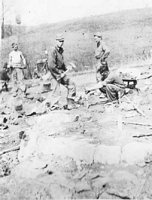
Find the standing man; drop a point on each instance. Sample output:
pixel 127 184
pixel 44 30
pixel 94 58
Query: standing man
pixel 101 54
pixel 17 63
pixel 58 70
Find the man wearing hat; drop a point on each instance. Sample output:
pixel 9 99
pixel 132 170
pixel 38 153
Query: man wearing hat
pixel 101 55
pixel 58 69
pixel 17 63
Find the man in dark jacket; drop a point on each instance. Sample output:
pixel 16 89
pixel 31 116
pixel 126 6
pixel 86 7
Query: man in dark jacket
pixel 58 68
pixel 4 78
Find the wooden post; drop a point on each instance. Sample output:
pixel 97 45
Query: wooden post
pixel 2 25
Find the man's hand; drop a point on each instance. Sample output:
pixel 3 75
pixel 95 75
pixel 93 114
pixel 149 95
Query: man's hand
pixel 98 67
pixel 100 84
pixel 103 62
pixel 23 66
pixel 63 75
pixel 9 66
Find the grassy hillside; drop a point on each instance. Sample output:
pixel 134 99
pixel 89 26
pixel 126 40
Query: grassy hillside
pixel 128 34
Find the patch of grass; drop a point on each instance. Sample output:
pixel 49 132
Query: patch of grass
pixel 128 34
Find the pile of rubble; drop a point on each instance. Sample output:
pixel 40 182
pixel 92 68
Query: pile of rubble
pixel 103 151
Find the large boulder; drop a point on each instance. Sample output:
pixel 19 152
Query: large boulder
pixel 46 137
pixel 107 154
pixel 136 153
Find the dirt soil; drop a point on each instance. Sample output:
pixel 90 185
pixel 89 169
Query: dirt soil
pixel 100 152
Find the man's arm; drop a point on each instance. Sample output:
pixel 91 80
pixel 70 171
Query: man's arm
pixel 53 64
pixel 110 79
pixel 98 85
pixel 106 52
pixel 10 60
pixel 102 52
pixel 23 59
pixel 98 53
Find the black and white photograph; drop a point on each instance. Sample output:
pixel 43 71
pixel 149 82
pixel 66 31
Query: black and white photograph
pixel 75 99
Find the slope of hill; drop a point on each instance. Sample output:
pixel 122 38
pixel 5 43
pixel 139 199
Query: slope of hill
pixel 128 34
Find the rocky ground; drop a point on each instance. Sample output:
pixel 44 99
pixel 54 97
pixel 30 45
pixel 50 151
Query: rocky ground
pixel 100 152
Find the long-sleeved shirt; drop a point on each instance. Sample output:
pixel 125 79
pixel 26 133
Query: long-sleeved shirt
pixel 16 59
pixel 102 52
pixel 57 65
pixel 114 79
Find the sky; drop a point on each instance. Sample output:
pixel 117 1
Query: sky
pixel 35 12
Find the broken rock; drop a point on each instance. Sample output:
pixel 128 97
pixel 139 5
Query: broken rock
pixel 18 105
pixel 136 153
pixel 3 120
pixel 107 154
pixel 77 149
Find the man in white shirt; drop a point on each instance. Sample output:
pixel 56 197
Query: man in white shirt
pixel 17 63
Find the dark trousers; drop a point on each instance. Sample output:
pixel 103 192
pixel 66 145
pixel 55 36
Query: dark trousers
pixel 70 85
pixel 102 72
pixel 111 91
